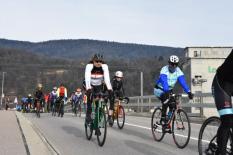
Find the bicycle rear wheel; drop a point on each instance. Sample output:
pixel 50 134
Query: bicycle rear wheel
pixel 181 129
pixel 156 126
pixel 102 125
pixel 120 117
pixel 207 140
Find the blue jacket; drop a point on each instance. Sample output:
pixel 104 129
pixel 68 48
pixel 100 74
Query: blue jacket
pixel 168 80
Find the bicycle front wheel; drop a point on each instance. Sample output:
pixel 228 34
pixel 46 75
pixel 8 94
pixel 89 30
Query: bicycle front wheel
pixel 120 117
pixel 88 130
pixel 207 140
pixel 181 129
pixel 102 125
pixel 156 125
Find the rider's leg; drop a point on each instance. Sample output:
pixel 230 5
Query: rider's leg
pixel 222 92
pixel 111 108
pixel 224 131
pixel 89 107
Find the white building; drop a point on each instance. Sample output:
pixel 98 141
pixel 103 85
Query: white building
pixel 201 66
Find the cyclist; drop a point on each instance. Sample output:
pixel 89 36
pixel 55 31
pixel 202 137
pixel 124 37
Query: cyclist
pixel 29 102
pixel 39 96
pixel 53 98
pixel 95 73
pixel 61 94
pixel 117 85
pixel 169 75
pixel 77 100
pixel 222 89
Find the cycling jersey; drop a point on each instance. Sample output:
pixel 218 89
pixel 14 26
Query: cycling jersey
pixel 167 81
pixel 53 96
pixel 39 95
pixel 95 76
pixel 62 92
pixel 118 88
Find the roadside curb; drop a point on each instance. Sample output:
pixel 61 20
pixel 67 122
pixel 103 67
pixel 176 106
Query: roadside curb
pixel 36 142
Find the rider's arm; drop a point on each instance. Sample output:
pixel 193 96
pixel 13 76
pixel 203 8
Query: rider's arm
pixel 123 90
pixel 106 76
pixel 164 82
pixel 88 69
pixel 65 93
pixel 183 83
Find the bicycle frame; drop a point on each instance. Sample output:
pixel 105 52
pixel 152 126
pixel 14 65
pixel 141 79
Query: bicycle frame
pixel 97 104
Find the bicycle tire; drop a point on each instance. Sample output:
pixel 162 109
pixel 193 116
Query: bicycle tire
pixel 215 121
pixel 102 123
pixel 120 124
pixel 181 116
pixel 89 130
pixel 156 127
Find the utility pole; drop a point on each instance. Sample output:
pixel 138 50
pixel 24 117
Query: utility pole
pixel 2 87
pixel 141 91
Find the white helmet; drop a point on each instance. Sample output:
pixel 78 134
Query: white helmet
pixel 55 88
pixel 119 74
pixel 174 59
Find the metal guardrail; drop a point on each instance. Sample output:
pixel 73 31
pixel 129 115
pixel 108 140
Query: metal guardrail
pixel 142 104
pixel 148 103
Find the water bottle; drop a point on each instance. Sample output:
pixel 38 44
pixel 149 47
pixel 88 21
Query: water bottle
pixel 169 115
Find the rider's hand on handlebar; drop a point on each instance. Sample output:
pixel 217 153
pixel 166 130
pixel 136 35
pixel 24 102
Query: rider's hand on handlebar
pixel 190 95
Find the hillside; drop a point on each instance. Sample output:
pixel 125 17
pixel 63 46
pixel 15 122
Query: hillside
pixel 83 48
pixel 53 62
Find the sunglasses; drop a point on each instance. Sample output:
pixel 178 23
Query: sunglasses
pixel 98 61
pixel 173 64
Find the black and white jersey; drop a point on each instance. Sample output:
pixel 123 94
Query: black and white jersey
pixel 95 76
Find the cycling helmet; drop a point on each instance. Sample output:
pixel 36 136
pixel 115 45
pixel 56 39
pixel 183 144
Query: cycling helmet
pixel 39 85
pixel 173 59
pixel 98 57
pixel 119 74
pixel 54 88
pixel 29 95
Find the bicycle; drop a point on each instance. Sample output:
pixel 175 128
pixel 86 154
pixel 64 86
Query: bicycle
pixel 79 110
pixel 178 123
pixel 119 112
pixel 99 121
pixel 53 105
pixel 207 139
pixel 61 103
pixel 38 108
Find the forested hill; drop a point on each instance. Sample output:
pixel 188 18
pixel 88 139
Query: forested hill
pixel 84 48
pixel 27 63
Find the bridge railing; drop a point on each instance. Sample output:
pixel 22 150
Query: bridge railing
pixel 146 104
pixel 142 104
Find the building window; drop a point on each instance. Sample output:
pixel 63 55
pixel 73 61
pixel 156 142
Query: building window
pixel 197 53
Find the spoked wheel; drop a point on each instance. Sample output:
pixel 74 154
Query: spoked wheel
pixel 181 129
pixel 156 126
pixel 120 117
pixel 88 130
pixel 207 140
pixel 102 125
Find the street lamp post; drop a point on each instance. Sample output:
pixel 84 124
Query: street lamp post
pixel 2 87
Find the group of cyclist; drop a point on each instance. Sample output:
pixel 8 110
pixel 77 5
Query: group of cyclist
pixel 48 101
pixel 97 79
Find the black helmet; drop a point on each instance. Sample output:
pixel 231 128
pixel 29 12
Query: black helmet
pixel 98 57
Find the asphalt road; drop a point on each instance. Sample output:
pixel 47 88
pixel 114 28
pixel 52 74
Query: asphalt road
pixel 67 136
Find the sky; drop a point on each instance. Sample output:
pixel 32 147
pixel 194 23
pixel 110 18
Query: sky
pixel 176 23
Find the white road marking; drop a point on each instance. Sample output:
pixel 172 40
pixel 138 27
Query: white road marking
pixel 147 128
